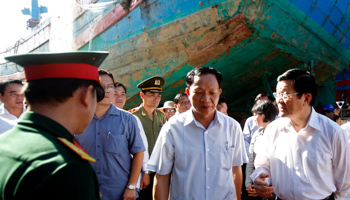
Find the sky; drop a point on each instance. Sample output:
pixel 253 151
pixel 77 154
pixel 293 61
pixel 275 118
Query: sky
pixel 14 23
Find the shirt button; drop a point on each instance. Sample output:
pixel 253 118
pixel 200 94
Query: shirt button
pixel 208 169
pixel 208 149
pixel 98 159
pixel 205 132
pixel 98 172
pixel 208 187
pixel 98 133
pixel 98 146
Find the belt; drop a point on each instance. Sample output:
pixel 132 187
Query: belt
pixel 331 197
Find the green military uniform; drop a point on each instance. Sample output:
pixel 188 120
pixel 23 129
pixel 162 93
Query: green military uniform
pixel 151 127
pixel 36 165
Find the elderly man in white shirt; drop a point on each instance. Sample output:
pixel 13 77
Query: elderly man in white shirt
pixel 303 155
pixel 202 150
pixel 12 108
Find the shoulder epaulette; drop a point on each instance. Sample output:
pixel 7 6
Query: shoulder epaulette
pixel 76 150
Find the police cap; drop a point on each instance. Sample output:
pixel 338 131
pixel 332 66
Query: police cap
pixel 153 84
pixel 77 65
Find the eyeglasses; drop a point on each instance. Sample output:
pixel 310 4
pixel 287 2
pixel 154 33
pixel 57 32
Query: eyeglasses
pixel 108 87
pixel 170 111
pixel 283 96
pixel 184 103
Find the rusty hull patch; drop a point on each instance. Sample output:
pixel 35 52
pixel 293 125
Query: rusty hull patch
pixel 219 40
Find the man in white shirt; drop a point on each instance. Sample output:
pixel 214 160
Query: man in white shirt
pixel 198 154
pixel 12 108
pixel 304 155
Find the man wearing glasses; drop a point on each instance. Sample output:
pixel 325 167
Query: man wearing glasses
pixel 182 103
pixel 12 108
pixel 303 154
pixel 111 137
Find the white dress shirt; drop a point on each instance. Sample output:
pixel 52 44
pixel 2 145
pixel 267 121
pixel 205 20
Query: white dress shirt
pixel 7 120
pixel 145 153
pixel 200 160
pixel 346 128
pixel 310 164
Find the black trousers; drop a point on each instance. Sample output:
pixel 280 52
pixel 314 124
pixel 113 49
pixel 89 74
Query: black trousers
pixel 146 194
pixel 331 197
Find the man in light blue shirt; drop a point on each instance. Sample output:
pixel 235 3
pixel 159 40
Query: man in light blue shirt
pixel 202 150
pixel 111 137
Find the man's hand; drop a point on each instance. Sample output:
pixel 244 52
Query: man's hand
pixel 251 191
pixel 145 180
pixel 129 194
pixel 261 187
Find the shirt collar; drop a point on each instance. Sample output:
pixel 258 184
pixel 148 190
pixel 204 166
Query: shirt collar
pixel 313 120
pixel 112 110
pixel 144 112
pixel 3 110
pixel 218 119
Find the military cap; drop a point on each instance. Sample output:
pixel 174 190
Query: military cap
pixel 77 65
pixel 153 84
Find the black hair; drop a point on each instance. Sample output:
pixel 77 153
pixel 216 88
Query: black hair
pixel 4 84
pixel 304 82
pixel 54 90
pixel 178 96
pixel 222 99
pixel 266 108
pixel 118 84
pixel 200 71
pixel 264 94
pixel 105 72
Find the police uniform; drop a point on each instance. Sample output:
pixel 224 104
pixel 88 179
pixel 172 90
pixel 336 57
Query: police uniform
pixel 39 157
pixel 151 127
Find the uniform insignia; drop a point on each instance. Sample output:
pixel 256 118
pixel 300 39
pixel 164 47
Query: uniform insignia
pixel 143 114
pixel 78 151
pixel 134 110
pixel 157 82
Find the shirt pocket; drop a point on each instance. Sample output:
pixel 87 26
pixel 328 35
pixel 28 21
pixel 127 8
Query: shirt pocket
pixel 116 144
pixel 315 163
pixel 226 156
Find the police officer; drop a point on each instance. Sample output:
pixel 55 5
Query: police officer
pixel 40 158
pixel 151 118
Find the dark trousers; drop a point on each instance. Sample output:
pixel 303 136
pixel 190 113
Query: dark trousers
pixel 331 197
pixel 146 194
pixel 244 194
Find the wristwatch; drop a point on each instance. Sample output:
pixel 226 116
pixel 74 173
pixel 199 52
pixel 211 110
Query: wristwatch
pixel 131 187
pixel 146 172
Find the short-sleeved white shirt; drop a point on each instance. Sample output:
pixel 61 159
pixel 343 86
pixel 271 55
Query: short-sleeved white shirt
pixel 200 160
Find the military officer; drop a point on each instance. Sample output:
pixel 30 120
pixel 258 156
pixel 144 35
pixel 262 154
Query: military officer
pixel 151 118
pixel 40 158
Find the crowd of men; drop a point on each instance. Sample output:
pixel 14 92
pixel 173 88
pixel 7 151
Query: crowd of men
pixel 74 140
